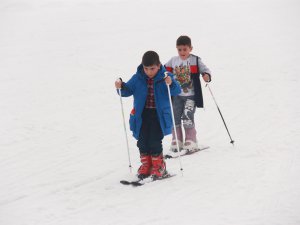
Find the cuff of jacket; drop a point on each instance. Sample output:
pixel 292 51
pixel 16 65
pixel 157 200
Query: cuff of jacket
pixel 123 83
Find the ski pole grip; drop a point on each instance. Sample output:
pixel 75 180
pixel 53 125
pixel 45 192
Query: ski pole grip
pixel 119 79
pixel 166 75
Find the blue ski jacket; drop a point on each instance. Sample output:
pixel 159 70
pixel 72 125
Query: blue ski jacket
pixel 137 86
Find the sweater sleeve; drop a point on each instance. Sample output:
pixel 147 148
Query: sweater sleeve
pixel 202 67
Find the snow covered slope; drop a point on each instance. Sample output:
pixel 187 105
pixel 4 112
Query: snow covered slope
pixel 62 146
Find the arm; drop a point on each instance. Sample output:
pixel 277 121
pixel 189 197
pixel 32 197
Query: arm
pixel 175 88
pixel 204 70
pixel 127 89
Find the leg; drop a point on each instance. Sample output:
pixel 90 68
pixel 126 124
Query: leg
pixel 188 113
pixel 178 107
pixel 155 137
pixel 179 138
pixel 142 143
pixel 189 125
pixel 143 137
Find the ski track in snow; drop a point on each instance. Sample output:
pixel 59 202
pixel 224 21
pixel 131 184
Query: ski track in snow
pixel 62 145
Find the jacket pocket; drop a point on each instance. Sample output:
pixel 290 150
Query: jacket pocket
pixel 132 120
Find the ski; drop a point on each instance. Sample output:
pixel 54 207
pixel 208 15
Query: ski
pixel 140 182
pixel 184 153
pixel 134 181
pixel 126 182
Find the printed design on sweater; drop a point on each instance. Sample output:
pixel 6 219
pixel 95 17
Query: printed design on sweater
pixel 183 76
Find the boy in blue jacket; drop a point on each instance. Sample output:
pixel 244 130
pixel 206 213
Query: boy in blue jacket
pixel 151 118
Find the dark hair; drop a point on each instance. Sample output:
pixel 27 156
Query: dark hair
pixel 150 58
pixel 184 40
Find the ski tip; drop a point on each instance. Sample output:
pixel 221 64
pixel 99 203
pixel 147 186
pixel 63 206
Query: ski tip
pixel 125 182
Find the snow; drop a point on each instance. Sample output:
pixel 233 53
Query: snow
pixel 62 144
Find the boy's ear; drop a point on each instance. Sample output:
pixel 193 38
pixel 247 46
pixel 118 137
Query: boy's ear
pixel 191 48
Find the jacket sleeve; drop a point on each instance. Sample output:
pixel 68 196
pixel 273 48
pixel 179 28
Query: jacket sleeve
pixel 175 88
pixel 128 88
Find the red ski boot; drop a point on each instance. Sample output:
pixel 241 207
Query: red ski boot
pixel 145 169
pixel 158 167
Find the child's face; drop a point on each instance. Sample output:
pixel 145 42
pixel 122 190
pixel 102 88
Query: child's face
pixel 184 51
pixel 151 71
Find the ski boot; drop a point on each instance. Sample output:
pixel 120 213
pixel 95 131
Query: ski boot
pixel 158 167
pixel 145 169
pixel 173 148
pixel 190 140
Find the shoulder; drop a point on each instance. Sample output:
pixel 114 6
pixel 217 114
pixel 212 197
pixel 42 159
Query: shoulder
pixel 195 56
pixel 176 57
pixel 194 59
pixel 134 78
pixel 175 60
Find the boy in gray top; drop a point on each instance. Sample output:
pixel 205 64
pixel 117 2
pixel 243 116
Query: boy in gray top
pixel 187 69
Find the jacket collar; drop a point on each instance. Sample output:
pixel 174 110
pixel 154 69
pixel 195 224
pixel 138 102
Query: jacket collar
pixel 159 76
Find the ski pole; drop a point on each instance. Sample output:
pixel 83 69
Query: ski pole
pixel 125 130
pixel 174 126
pixel 231 141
